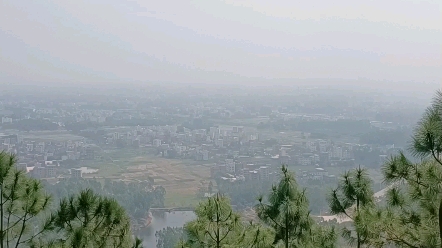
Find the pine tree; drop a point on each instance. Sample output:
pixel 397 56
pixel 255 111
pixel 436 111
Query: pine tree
pixel 353 193
pixel 413 214
pixel 23 203
pixel 83 220
pixel 90 220
pixel 216 224
pixel 286 210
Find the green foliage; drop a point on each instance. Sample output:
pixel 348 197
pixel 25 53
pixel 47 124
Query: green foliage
pixel 22 202
pixel 286 222
pixel 90 220
pixel 258 236
pixel 216 224
pixel 243 194
pixel 169 237
pixel 286 210
pixel 82 220
pixel 354 192
pixel 136 198
pixel 412 216
pixel 254 236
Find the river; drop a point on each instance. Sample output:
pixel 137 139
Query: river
pixel 163 220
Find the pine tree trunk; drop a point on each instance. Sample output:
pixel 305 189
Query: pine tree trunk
pixel 1 217
pixel 286 231
pixel 218 242
pixel 357 232
pixel 440 222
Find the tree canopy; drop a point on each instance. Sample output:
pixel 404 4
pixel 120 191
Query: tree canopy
pixel 412 213
pixel 84 220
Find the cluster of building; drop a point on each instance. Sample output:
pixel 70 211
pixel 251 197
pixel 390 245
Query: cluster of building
pixel 44 159
pixel 198 144
pixel 232 171
pixel 312 157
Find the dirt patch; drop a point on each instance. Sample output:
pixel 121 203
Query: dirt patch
pixel 177 178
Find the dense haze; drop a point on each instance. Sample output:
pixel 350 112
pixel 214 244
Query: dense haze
pixel 293 122
pixel 374 43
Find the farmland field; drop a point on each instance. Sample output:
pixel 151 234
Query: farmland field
pixel 57 136
pixel 180 178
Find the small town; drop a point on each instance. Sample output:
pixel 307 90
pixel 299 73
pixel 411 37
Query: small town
pixel 235 153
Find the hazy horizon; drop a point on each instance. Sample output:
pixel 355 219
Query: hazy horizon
pixel 145 112
pixel 374 44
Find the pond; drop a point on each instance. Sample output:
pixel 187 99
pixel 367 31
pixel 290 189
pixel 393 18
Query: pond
pixel 163 220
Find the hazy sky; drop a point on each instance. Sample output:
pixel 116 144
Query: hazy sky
pixel 217 41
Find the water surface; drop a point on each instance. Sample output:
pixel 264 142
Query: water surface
pixel 163 220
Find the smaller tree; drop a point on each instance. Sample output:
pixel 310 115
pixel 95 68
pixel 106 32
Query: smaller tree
pixel 287 211
pixel 215 226
pixel 353 193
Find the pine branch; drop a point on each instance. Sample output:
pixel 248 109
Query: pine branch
pixel 396 238
pixel 210 235
pixel 228 231
pixel 435 157
pixel 268 216
pixel 21 231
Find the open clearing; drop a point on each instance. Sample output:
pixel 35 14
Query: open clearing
pixel 180 178
pixel 181 181
pixel 57 136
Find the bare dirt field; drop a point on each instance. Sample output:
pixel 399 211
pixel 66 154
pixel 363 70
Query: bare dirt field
pixel 180 180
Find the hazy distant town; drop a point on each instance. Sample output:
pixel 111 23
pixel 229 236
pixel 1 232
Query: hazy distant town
pixel 160 150
pixel 220 124
pixel 185 139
